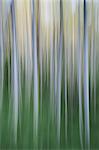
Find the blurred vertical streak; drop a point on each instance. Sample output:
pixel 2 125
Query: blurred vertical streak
pixel 1 64
pixel 72 63
pixel 41 58
pixel 28 58
pixel 14 72
pixel 52 62
pixel 95 77
pixel 1 56
pixel 94 60
pixel 65 65
pixel 80 78
pixel 92 56
pixel 59 71
pixel 57 19
pixel 70 73
pixel 86 80
pixel 19 38
pixel 35 71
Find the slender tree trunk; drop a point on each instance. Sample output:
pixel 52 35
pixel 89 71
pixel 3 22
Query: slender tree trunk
pixel 59 78
pixel 86 79
pixel 14 65
pixel 35 71
pixel 80 79
pixel 1 66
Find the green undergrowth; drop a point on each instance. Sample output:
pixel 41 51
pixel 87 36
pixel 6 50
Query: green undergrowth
pixel 47 127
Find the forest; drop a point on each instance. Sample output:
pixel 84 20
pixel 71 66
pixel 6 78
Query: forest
pixel 49 67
